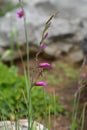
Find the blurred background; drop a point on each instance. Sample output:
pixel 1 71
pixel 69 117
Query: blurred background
pixel 65 44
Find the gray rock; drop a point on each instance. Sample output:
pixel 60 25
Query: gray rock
pixel 10 22
pixel 22 125
pixel 36 17
pixel 55 50
pixel 34 29
pixel 52 51
pixel 65 47
pixel 69 26
pixel 75 57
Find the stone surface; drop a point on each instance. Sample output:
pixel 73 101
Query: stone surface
pixel 65 47
pixel 75 57
pixel 69 26
pixel 56 49
pixel 59 26
pixel 22 125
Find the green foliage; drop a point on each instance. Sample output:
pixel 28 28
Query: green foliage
pixel 10 90
pixel 41 103
pixel 69 71
pixel 64 74
pixel 13 96
pixel 53 80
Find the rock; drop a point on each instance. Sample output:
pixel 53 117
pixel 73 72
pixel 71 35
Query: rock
pixel 75 57
pixel 22 125
pixel 36 16
pixel 55 50
pixel 34 29
pixel 10 22
pixel 69 26
pixel 65 47
pixel 52 51
pixel 62 27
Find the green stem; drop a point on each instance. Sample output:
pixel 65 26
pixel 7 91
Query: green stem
pixel 83 116
pixel 28 67
pixel 75 110
pixel 12 48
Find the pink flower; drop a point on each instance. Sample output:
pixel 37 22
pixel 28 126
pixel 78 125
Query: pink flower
pixel 41 83
pixel 44 65
pixel 20 13
pixel 43 46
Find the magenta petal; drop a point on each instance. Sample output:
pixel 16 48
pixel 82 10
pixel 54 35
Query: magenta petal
pixel 40 84
pixel 44 65
pixel 20 14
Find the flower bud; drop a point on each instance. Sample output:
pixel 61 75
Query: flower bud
pixel 20 13
pixel 41 83
pixel 44 65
